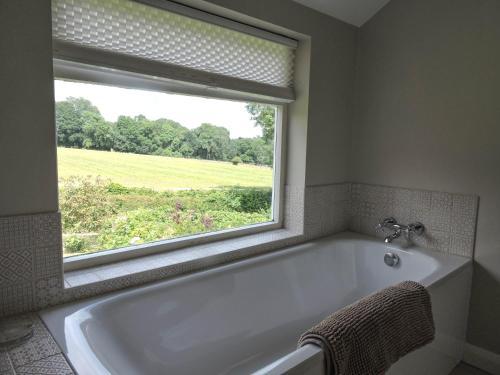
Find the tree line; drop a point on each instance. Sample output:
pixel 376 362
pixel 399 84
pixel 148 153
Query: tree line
pixel 81 125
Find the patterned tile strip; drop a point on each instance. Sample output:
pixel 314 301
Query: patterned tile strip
pixel 30 258
pixel 450 219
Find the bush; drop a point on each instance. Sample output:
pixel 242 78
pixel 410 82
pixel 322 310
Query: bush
pixel 252 199
pixel 85 203
pixel 74 244
pixel 135 227
pixel 98 214
pixel 115 188
pixel 236 160
pixel 233 199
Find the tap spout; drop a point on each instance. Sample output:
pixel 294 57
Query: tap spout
pixel 390 223
pixel 396 234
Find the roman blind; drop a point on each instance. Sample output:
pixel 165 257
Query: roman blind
pixel 105 30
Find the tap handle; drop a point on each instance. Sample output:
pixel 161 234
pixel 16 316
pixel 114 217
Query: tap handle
pixel 417 228
pixel 387 222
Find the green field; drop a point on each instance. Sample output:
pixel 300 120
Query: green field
pixel 159 172
pixel 111 199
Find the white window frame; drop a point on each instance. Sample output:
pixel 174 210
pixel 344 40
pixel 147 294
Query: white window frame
pixel 84 72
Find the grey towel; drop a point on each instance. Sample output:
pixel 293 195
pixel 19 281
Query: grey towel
pixel 367 337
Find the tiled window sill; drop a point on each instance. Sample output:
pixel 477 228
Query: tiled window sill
pixel 174 263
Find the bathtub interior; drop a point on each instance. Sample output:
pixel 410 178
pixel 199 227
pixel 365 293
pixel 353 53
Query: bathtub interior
pixel 231 320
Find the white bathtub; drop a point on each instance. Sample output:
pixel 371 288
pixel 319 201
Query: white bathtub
pixel 246 317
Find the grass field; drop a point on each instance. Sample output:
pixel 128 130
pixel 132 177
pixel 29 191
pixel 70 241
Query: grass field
pixel 112 199
pixel 158 172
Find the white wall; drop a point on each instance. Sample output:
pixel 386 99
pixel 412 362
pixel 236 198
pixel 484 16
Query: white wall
pixel 428 116
pixel 28 182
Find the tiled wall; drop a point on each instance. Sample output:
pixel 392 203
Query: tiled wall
pixel 326 209
pixel 31 275
pixel 449 219
pixel 30 261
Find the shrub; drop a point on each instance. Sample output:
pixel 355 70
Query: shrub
pixel 232 199
pixel 98 214
pixel 74 244
pixel 207 221
pixel 135 227
pixel 236 160
pixel 85 203
pixel 252 199
pixel 115 188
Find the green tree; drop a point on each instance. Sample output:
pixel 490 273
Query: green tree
pixel 133 134
pixel 160 137
pixel 97 133
pixel 212 142
pixel 254 150
pixel 71 117
pixel 80 124
pixel 169 137
pixel 264 116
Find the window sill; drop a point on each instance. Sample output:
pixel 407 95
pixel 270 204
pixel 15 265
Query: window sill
pixel 154 267
pixel 96 259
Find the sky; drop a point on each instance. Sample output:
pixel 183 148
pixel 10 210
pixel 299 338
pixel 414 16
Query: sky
pixel 189 111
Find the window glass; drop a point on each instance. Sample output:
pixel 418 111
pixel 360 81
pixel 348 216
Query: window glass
pixel 139 166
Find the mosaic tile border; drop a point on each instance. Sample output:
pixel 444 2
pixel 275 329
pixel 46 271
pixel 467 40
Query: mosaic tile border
pixel 326 210
pixel 449 219
pixel 30 255
pixel 39 355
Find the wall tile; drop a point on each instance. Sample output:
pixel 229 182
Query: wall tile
pixel 30 252
pixel 450 219
pixel 16 265
pixel 16 299
pixel 464 214
pixel 48 291
pixel 461 245
pixel 293 211
pixel 327 209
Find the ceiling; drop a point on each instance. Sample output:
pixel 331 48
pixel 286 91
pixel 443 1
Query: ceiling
pixel 355 12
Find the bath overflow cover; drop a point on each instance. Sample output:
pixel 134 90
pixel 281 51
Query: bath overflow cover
pixel 391 259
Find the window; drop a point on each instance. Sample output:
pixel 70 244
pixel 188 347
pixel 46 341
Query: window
pixel 138 166
pixel 169 125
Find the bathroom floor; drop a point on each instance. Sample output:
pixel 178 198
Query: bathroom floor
pixel 464 369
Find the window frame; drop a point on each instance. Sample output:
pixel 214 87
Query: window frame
pixel 76 71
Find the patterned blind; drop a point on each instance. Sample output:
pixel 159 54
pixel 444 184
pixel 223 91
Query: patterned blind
pixel 139 30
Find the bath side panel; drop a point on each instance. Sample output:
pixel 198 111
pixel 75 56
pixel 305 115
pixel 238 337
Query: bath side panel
pixel 450 306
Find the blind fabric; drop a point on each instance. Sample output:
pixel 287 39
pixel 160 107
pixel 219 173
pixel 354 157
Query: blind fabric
pixel 131 28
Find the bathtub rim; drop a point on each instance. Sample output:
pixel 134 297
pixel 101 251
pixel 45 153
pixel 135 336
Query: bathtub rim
pixel 246 262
